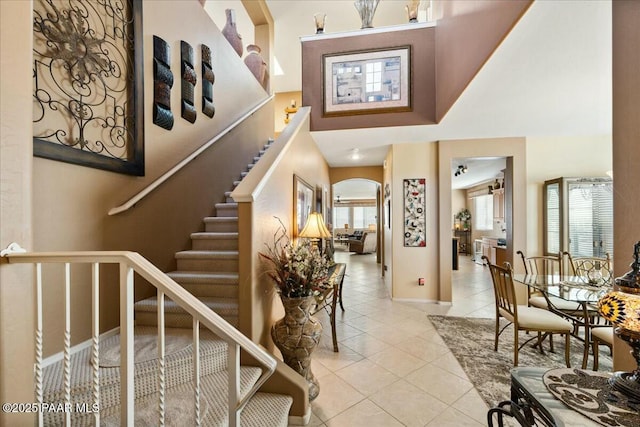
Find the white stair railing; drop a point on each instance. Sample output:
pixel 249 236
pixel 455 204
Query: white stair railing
pixel 129 263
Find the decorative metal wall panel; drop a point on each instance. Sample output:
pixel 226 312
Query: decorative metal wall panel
pixel 87 71
pixel 189 80
pixel 162 84
pixel 208 78
pixel 414 212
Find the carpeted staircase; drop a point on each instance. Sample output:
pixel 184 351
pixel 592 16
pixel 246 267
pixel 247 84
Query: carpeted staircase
pixel 209 270
pixel 263 410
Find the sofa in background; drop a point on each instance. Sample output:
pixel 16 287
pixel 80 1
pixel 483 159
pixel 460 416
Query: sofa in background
pixel 364 245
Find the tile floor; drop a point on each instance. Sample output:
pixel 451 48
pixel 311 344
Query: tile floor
pixel 392 368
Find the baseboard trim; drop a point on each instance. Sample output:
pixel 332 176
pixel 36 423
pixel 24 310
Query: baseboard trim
pixel 54 358
pixel 295 420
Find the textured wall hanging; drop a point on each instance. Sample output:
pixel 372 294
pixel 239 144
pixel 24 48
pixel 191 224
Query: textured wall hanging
pixel 189 80
pixel 87 83
pixel 208 78
pixel 162 84
pixel 414 212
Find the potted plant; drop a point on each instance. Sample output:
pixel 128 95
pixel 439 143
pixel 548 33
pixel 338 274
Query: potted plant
pixel 299 272
pixel 465 216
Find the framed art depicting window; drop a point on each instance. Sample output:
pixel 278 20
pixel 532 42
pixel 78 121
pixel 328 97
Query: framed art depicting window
pixel 366 82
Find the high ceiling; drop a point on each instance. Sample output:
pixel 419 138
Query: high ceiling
pixel 550 77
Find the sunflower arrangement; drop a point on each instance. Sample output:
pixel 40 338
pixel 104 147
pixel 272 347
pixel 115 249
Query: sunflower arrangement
pixel 298 270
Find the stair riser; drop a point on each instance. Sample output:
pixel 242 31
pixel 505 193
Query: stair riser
pixel 215 244
pixel 224 211
pixel 174 320
pixel 212 290
pixel 187 264
pixel 222 227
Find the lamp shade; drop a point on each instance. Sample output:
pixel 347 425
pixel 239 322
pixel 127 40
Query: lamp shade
pixel 315 228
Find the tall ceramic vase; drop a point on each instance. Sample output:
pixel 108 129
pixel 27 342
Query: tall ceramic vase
pixel 255 63
pixel 230 32
pixel 366 9
pixel 296 335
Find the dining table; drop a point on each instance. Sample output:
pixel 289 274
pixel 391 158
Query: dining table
pixel 578 289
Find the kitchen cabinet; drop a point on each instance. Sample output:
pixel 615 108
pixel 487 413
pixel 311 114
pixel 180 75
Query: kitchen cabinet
pixel 501 256
pixel 498 204
pixel 489 248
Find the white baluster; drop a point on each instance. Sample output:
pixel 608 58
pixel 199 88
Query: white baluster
pixel 95 351
pixel 196 368
pixel 161 354
pixel 67 341
pixel 233 366
pixel 127 395
pixel 39 397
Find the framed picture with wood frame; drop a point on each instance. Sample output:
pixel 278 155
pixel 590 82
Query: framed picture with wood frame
pixel 367 81
pixel 303 202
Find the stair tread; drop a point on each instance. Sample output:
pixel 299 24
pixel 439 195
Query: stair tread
pixel 213 357
pixel 262 409
pixel 204 275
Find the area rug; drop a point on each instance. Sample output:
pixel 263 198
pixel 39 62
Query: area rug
pixel 471 341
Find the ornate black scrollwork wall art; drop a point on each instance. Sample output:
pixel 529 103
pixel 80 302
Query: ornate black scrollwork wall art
pixel 208 78
pixel 162 84
pixel 87 73
pixel 189 80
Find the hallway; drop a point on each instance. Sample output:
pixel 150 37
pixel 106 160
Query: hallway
pixel 393 368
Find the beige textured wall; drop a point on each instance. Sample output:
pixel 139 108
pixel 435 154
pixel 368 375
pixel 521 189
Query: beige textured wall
pixel 275 199
pixel 71 202
pixel 387 240
pixel 626 155
pixel 16 280
pixel 410 263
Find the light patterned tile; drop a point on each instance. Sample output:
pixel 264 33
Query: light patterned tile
pixel 453 418
pixel 422 349
pixel 336 396
pixel 364 414
pixel 397 361
pixel 407 403
pixel 367 377
pixel 473 406
pixel 365 344
pixel 335 361
pixel 441 384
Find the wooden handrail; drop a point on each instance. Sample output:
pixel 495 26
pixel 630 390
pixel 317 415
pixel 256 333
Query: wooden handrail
pixel 155 184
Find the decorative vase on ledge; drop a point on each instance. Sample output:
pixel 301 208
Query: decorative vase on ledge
pixel 366 9
pixel 230 32
pixel 255 63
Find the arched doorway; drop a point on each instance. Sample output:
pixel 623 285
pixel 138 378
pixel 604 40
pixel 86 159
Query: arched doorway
pixel 356 211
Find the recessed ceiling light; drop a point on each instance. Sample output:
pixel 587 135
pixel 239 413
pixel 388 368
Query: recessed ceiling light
pixel 355 154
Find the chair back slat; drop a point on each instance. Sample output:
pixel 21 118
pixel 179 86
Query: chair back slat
pixel 503 288
pixel 544 265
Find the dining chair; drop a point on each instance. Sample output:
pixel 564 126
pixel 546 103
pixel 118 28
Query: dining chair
pixel 594 270
pixel 602 335
pixel 523 317
pixel 545 265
